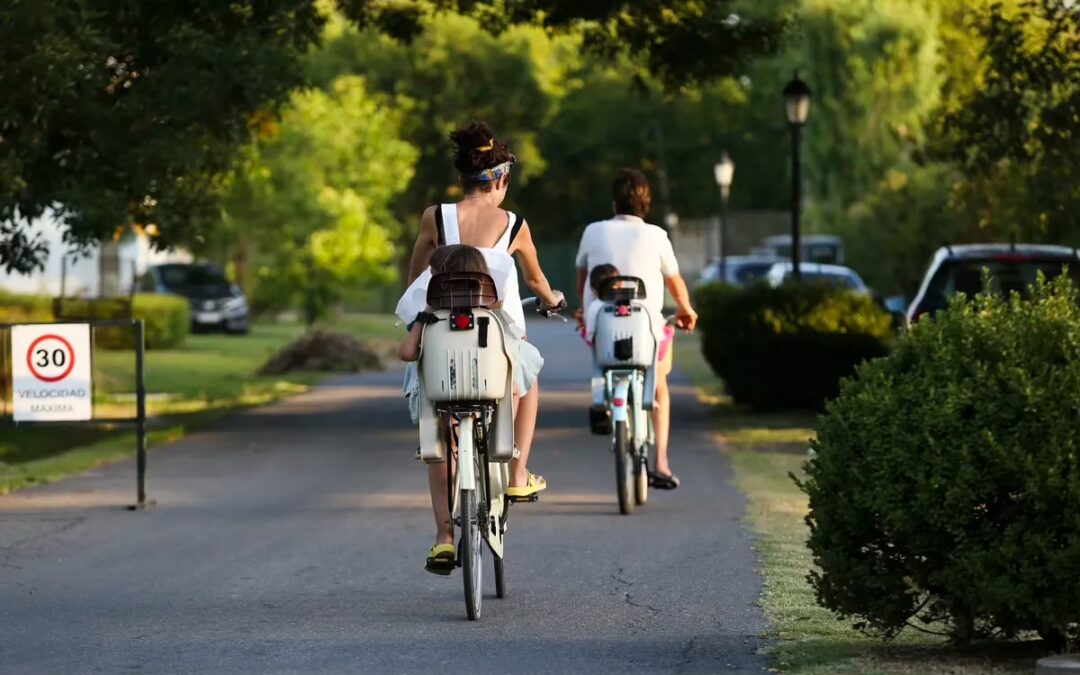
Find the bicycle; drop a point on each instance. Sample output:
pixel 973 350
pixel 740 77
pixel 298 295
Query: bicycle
pixel 466 376
pixel 624 384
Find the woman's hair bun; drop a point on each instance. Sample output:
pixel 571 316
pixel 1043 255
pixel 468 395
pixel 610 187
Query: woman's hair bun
pixel 476 148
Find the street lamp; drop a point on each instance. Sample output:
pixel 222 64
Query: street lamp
pixel 724 171
pixel 796 109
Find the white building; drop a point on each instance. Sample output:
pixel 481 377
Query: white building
pixel 108 269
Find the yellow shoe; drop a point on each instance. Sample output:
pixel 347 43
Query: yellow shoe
pixel 441 559
pixel 535 484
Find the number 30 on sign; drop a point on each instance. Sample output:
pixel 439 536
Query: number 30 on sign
pixel 51 373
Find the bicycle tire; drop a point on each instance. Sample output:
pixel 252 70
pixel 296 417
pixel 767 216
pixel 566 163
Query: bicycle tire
pixel 500 577
pixel 624 468
pixel 641 481
pixel 471 553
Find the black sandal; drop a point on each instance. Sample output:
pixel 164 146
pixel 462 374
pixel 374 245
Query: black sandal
pixel 663 481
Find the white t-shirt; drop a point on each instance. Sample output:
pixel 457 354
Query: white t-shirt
pixel 637 249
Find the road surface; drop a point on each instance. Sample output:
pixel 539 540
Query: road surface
pixel 292 539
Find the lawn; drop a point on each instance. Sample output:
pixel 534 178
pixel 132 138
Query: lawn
pixel 765 451
pixel 209 375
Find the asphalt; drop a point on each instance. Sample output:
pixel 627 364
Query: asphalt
pixel 291 539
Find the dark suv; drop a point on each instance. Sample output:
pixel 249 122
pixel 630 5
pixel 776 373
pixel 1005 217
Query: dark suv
pixel 216 304
pixel 1013 267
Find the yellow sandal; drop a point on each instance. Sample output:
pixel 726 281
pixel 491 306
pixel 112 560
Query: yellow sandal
pixel 441 559
pixel 535 484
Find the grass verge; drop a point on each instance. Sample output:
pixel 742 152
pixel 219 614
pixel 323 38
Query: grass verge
pixel 765 450
pixel 209 375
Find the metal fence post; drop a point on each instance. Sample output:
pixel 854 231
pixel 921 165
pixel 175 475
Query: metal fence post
pixel 140 403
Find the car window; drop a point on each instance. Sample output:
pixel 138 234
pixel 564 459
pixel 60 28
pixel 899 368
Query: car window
pixel 1007 273
pixel 751 272
pixel 181 278
pixel 842 280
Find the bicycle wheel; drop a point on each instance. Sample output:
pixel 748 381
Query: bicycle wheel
pixel 641 480
pixel 470 551
pixel 624 467
pixel 500 578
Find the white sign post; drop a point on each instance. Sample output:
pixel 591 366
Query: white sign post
pixel 51 373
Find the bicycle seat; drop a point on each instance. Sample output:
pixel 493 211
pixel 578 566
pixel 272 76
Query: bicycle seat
pixel 461 290
pixel 621 289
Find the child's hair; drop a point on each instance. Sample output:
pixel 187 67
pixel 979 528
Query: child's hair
pixel 601 272
pixel 458 258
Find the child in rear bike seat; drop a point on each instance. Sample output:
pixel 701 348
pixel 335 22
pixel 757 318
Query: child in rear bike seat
pixel 528 362
pixel 596 278
pixel 459 258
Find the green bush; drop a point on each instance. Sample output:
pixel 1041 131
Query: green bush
pixel 946 484
pixel 167 319
pixel 24 308
pixel 788 347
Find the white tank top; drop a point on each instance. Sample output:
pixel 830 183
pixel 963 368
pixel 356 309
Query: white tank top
pixel 500 264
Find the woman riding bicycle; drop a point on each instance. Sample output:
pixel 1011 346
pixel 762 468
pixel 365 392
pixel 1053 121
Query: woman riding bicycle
pixel 484 164
pixel 639 249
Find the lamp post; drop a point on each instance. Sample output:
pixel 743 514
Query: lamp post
pixel 796 109
pixel 724 171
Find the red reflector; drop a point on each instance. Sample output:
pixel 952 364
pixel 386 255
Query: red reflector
pixel 461 321
pixel 624 310
pixel 619 402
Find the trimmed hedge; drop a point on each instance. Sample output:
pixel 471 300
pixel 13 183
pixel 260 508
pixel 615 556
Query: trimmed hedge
pixel 788 347
pixel 24 308
pixel 167 317
pixel 946 484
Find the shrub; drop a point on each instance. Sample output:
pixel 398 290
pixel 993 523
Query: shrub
pixel 167 319
pixel 946 485
pixel 24 308
pixel 788 346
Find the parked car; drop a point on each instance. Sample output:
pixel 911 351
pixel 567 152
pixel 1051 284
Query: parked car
pixel 216 304
pixel 839 275
pixel 1013 267
pixel 740 270
pixel 815 248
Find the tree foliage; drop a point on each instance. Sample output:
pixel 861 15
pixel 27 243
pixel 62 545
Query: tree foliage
pixel 118 112
pixel 678 39
pixel 310 208
pixel 570 117
pixel 1017 134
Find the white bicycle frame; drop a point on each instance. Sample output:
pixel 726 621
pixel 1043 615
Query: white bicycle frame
pixel 469 478
pixel 619 385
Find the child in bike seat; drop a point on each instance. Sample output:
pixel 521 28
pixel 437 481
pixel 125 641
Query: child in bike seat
pixel 459 258
pixel 528 362
pixel 596 277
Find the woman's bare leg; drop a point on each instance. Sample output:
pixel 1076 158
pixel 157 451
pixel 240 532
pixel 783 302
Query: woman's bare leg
pixel 524 430
pixel 662 412
pixel 444 529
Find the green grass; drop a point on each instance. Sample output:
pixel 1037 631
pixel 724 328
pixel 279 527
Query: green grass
pixel 766 450
pixel 209 374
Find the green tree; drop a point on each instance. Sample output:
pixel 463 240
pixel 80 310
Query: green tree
pixel 311 207
pixel 676 40
pixel 1017 133
pixel 118 112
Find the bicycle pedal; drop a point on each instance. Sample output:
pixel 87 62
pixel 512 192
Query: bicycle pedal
pixel 525 499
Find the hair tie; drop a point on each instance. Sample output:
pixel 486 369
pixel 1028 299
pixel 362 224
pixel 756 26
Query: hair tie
pixel 489 147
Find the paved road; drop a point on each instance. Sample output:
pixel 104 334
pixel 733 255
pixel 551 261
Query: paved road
pixel 291 539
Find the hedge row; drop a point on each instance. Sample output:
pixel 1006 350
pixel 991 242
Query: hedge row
pixel 789 346
pixel 167 318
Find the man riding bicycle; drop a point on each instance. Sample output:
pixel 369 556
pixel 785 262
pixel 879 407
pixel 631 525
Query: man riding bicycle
pixel 639 249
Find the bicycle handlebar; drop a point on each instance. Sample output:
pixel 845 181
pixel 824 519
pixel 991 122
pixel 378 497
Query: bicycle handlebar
pixel 547 312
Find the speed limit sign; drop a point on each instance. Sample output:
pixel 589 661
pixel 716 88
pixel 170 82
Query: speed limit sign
pixel 51 372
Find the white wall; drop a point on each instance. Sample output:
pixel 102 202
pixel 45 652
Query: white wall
pixel 84 273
